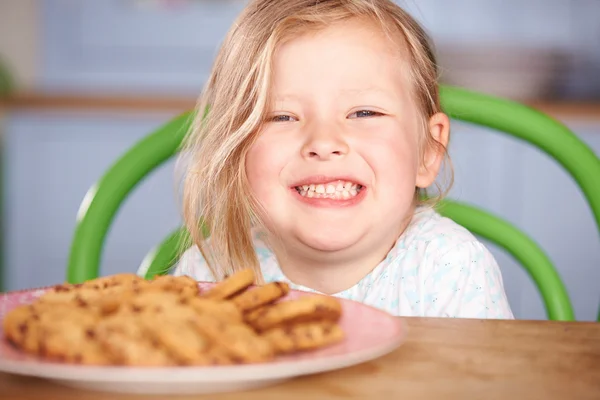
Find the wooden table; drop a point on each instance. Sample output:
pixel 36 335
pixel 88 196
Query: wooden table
pixel 442 359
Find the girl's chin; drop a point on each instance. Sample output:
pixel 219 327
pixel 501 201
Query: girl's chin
pixel 330 242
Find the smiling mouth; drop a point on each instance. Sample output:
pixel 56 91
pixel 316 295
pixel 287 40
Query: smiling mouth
pixel 337 190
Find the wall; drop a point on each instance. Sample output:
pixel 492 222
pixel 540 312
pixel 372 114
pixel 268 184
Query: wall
pixel 19 39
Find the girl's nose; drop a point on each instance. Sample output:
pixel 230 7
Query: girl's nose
pixel 324 145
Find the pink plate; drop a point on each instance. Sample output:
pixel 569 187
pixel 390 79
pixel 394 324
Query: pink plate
pixel 370 333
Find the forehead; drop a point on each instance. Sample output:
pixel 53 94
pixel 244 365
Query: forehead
pixel 354 55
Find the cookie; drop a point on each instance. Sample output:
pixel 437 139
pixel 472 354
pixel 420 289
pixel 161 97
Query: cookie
pixel 78 296
pixel 183 285
pixel 231 286
pixel 304 309
pixel 254 298
pixel 224 310
pixel 93 290
pixel 304 336
pixel 101 283
pixel 158 294
pixel 240 342
pixel 106 282
pixel 216 355
pixel 22 323
pixel 17 324
pixel 179 338
pixel 70 339
pixel 152 302
pixel 128 342
pixel 126 320
pixel 56 332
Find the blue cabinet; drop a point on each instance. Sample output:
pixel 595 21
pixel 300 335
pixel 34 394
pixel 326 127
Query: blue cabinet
pixel 121 46
pixel 51 159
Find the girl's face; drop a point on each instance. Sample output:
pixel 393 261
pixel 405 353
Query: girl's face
pixel 336 166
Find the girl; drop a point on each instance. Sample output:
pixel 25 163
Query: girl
pixel 324 128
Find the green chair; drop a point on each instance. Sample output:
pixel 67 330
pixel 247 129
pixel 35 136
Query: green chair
pixel 105 197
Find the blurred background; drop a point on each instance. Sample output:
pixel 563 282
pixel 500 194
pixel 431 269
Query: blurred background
pixel 82 80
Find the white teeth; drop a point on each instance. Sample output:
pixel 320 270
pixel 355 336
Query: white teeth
pixel 342 190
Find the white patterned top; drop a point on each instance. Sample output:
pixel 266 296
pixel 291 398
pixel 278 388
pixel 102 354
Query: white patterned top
pixel 436 269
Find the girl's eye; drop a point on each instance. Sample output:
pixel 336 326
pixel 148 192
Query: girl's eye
pixel 364 114
pixel 282 118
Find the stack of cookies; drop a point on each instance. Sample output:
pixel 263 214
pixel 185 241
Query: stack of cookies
pixel 126 320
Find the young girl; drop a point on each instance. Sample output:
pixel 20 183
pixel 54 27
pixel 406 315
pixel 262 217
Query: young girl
pixel 323 128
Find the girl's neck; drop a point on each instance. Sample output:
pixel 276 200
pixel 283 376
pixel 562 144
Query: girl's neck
pixel 327 276
pixel 333 272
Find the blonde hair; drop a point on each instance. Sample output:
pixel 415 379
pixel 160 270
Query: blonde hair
pixel 215 187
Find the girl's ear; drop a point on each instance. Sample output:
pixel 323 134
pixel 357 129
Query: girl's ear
pixel 433 154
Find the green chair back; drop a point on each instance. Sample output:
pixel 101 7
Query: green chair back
pixel 105 197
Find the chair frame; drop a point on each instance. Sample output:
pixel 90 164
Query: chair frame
pixel 105 197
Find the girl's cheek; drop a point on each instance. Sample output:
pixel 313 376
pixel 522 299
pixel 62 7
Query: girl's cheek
pixel 264 163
